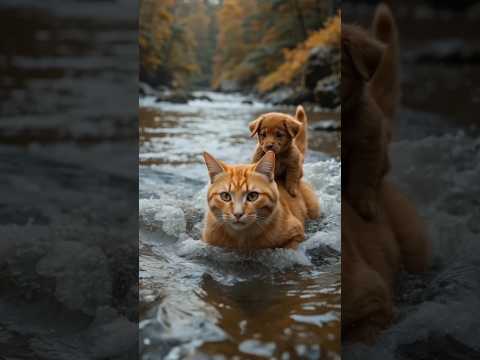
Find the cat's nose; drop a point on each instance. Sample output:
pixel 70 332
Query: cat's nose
pixel 238 216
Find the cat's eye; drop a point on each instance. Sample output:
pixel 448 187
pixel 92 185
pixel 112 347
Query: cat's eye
pixel 252 196
pixel 225 196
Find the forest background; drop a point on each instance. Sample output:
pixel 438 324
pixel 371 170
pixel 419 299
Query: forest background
pixel 290 47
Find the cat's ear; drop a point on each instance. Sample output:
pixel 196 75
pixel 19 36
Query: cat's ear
pixel 292 126
pixel 213 165
pixel 255 126
pixel 266 165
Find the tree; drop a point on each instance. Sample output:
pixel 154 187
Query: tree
pixel 254 33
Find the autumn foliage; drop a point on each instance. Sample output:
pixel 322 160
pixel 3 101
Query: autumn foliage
pixel 255 36
pixel 295 59
pixel 256 44
pixel 171 34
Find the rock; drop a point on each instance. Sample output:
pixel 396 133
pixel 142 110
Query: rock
pixel 327 91
pixel 297 97
pixel 320 64
pixel 229 86
pixel 278 95
pixel 147 90
pixel 327 125
pixel 203 97
pixel 175 97
pixel 319 83
pixel 289 96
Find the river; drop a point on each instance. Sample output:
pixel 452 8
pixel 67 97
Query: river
pixel 198 301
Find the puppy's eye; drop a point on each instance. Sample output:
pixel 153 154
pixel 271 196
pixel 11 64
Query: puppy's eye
pixel 279 135
pixel 252 196
pixel 225 196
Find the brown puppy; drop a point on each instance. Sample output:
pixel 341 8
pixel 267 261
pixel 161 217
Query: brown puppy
pixel 369 95
pixel 372 255
pixel 286 136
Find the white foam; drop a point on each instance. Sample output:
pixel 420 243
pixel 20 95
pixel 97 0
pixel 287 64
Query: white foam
pixel 278 259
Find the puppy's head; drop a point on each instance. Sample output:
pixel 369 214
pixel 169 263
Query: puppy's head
pixel 275 131
pixel 361 56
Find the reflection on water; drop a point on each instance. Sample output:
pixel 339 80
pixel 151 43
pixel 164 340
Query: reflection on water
pixel 197 300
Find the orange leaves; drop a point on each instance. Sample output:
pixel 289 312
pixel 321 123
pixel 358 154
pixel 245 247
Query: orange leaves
pixel 262 44
pixel 295 59
pixel 170 34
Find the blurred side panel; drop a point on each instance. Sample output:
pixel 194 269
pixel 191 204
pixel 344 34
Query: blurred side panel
pixel 434 157
pixel 69 183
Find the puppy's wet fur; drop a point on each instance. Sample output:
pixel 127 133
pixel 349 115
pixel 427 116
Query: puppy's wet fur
pixel 369 93
pixel 286 136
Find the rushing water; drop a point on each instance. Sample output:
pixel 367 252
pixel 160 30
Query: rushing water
pixel 197 300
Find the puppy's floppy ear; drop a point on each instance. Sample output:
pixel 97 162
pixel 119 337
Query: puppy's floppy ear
pixel 266 165
pixel 255 126
pixel 300 114
pixel 292 126
pixel 213 165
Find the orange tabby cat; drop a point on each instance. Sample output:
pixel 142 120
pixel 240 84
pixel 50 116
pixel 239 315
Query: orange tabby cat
pixel 247 209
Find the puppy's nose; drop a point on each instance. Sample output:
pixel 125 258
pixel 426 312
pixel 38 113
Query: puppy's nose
pixel 269 146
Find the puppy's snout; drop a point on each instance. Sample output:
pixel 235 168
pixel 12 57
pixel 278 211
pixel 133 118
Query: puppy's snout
pixel 269 146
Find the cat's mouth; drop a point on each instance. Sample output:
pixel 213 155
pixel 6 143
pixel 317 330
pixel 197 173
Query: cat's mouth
pixel 238 224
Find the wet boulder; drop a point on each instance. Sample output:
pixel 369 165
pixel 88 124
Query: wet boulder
pixel 279 95
pixel 203 98
pixel 320 64
pixel 177 97
pixel 327 125
pixel 145 89
pixel 326 92
pixel 229 86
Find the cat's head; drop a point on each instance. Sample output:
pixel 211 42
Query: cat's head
pixel 242 195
